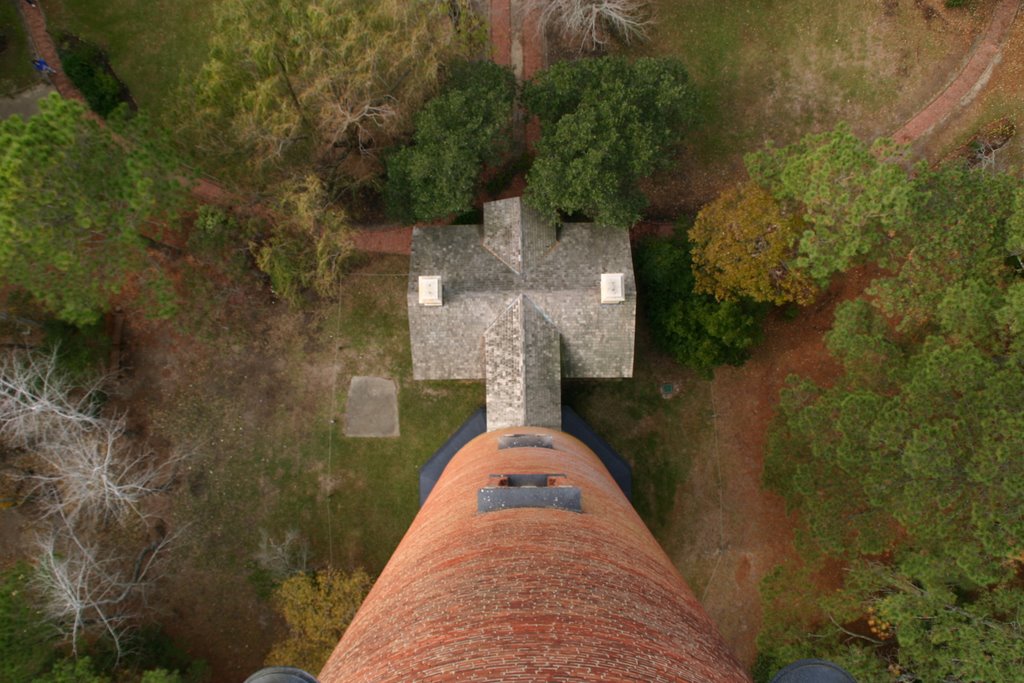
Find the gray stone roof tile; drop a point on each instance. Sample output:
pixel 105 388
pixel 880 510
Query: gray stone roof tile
pixel 514 260
pixel 522 357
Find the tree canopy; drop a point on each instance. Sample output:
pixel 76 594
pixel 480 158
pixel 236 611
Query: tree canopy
pixel 744 245
pixel 698 330
pixel 73 198
pixel 309 244
pixel 909 468
pixel 321 85
pixel 959 229
pixel 318 609
pixel 605 124
pixel 456 133
pixel 853 196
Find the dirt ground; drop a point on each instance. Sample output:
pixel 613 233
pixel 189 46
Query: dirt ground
pixel 215 613
pixel 735 531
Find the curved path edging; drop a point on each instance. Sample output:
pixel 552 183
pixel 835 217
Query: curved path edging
pixel 975 73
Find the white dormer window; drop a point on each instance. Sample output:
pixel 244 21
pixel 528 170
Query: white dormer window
pixel 613 288
pixel 430 290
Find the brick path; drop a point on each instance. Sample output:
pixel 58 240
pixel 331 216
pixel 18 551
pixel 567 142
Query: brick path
pixel 384 239
pixel 971 79
pixel 43 46
pixel 516 41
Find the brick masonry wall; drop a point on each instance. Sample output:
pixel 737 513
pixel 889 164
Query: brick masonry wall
pixel 530 594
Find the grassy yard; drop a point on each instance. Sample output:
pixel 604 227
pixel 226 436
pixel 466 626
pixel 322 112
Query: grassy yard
pixel 152 45
pixel 658 436
pixel 256 393
pixel 257 396
pixel 16 71
pixel 778 70
pixel 270 416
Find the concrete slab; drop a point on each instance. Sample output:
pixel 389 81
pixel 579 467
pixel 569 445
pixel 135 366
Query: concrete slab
pixel 25 103
pixel 372 407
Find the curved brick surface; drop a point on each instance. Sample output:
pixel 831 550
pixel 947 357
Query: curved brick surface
pixel 530 594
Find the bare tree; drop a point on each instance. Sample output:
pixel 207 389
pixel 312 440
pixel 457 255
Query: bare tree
pixel 590 24
pixel 88 590
pixel 92 477
pixel 83 467
pixel 82 471
pixel 36 397
pixel 284 557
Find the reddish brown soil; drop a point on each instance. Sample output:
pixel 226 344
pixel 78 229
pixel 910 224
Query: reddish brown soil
pixel 384 240
pixel 750 533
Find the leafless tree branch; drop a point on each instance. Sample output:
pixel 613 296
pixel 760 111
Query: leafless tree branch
pixel 590 24
pixel 85 470
pixel 86 590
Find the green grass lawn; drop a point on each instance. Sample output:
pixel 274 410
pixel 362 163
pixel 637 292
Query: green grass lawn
pixel 152 45
pixel 271 453
pixel 778 70
pixel 16 71
pixel 658 436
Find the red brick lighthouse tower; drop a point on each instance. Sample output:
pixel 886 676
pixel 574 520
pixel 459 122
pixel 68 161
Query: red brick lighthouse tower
pixel 527 563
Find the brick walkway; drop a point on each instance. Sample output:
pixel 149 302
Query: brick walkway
pixel 384 239
pixel 43 46
pixel 971 79
pixel 516 40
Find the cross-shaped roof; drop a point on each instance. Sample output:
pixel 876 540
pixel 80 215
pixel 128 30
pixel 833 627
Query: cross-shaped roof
pixel 517 299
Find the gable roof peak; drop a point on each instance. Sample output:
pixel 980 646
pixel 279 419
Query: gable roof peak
pixel 515 233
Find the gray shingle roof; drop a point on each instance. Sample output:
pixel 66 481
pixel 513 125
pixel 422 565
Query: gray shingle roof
pixel 515 257
pixel 522 355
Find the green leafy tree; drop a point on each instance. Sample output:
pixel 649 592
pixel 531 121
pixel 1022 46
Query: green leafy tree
pixel 26 640
pixel 961 227
pixel 744 245
pixel 320 85
pixel 909 468
pixel 310 243
pixel 853 196
pixel 456 133
pixel 318 609
pixel 1015 231
pixel 79 670
pixel 925 449
pixel 698 330
pixel 73 198
pixel 943 632
pixel 605 124
pixel 86 66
